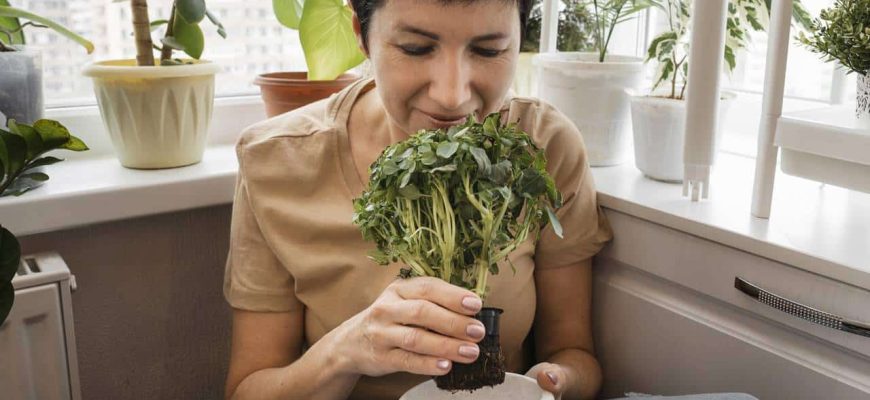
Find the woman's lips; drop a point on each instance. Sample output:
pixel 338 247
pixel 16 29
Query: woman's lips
pixel 444 121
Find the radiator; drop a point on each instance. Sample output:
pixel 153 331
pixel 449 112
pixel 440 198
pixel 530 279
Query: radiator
pixel 37 341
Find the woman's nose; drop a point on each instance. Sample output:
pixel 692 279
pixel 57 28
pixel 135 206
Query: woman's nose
pixel 450 83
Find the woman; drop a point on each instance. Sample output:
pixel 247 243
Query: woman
pixel 297 274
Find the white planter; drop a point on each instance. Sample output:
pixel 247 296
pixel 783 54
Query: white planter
pixel 515 387
pixel 659 126
pixel 862 104
pixel 21 95
pixel 157 117
pixel 593 95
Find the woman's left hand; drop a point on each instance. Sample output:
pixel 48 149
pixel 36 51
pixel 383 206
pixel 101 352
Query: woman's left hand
pixel 551 377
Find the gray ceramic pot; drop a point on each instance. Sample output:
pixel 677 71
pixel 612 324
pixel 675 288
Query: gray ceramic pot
pixel 21 86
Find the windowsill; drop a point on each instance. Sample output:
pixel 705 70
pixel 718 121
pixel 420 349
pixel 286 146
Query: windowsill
pixel 821 229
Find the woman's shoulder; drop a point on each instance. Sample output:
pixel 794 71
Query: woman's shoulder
pixel 548 127
pixel 302 122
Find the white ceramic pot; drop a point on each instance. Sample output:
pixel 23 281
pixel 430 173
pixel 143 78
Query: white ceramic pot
pixel 862 104
pixel 659 126
pixel 525 80
pixel 515 387
pixel 593 95
pixel 21 96
pixel 157 117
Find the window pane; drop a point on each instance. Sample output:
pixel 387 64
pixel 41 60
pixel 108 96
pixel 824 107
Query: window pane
pixel 256 43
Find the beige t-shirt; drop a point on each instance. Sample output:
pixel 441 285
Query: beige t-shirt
pixel 293 244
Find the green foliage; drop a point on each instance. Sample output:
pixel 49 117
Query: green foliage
pixel 576 31
pixel 12 30
pixel 183 32
pixel 607 14
pixel 21 150
pixel 326 34
pixel 842 33
pixel 670 49
pixel 10 257
pixel 453 203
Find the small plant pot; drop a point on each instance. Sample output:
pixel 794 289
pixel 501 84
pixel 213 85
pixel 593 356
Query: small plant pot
pixel 593 95
pixel 659 125
pixel 488 369
pixel 157 116
pixel 286 91
pixel 862 103
pixel 21 96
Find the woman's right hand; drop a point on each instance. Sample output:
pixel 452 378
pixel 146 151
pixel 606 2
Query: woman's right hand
pixel 419 325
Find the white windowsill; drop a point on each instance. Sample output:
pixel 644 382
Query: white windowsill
pixel 821 229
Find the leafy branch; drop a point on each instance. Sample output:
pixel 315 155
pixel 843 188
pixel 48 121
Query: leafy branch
pixel 182 31
pixel 453 203
pixel 842 33
pixel 21 150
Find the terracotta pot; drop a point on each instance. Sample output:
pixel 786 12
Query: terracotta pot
pixel 285 91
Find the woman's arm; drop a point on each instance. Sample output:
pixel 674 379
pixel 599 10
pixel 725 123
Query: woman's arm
pixel 563 327
pixel 265 360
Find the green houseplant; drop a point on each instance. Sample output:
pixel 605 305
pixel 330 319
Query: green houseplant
pixel 452 204
pixel 330 47
pixel 842 33
pixel 21 96
pixel 659 118
pixel 22 149
pixel 157 109
pixel 590 87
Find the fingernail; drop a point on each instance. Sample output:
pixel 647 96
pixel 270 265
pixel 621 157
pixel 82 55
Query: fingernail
pixel 469 351
pixel 472 303
pixel 553 378
pixel 475 331
pixel 443 364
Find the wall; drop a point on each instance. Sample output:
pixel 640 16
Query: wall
pixel 150 318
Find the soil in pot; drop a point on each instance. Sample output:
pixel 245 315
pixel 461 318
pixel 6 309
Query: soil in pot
pixel 488 369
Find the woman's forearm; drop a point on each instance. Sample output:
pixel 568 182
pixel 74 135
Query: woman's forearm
pixel 320 374
pixel 584 373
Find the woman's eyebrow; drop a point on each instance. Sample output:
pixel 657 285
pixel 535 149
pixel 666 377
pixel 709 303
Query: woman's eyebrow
pixel 434 36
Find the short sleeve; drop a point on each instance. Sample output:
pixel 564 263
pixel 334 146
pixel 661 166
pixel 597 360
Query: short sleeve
pixel 585 227
pixel 254 278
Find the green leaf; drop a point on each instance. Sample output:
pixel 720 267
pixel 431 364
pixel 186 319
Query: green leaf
pixel 157 24
pixel 41 162
pixel 35 176
pixel 16 149
pixel 729 58
pixel 34 142
pixel 288 12
pixel 484 166
pixel 6 11
pixel 193 11
pixel 11 24
pixel 445 168
pixel 4 160
pixel 410 192
pixel 447 149
pixel 389 167
pixel 190 36
pixel 53 134
pixel 328 40
pixel 218 24
pixel 75 144
pixel 21 186
pixel 10 259
pixel 554 222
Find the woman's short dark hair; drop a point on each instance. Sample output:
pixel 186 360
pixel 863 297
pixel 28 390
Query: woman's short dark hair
pixel 365 8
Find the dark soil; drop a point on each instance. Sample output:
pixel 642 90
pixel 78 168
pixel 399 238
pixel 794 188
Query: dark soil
pixel 487 370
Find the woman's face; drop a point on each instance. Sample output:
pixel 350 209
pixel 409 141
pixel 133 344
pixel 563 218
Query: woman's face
pixel 436 63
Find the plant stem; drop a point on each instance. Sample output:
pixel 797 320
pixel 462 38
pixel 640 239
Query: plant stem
pixel 166 52
pixel 142 33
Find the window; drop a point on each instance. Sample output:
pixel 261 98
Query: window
pixel 108 25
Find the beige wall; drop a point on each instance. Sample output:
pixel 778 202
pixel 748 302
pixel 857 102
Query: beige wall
pixel 150 319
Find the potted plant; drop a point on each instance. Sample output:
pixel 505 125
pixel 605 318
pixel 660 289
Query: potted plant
pixel 329 53
pixel 659 119
pixel 590 87
pixel 842 33
pixel 21 96
pixel 157 110
pixel 575 33
pixel 22 148
pixel 448 204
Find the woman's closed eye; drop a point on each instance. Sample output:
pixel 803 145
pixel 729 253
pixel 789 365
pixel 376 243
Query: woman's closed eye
pixel 413 50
